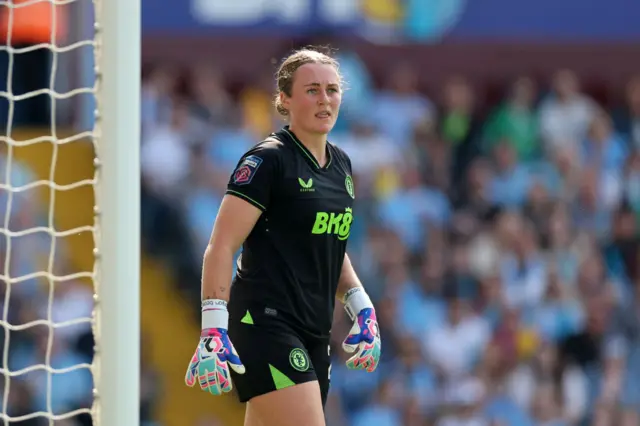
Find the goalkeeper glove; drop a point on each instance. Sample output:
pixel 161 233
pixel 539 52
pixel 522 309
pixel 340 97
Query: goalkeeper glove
pixel 215 352
pixel 364 336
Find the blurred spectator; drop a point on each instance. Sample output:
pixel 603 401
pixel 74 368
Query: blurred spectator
pixel 604 150
pixel 523 271
pixel 382 411
pixel 464 405
pixel 566 113
pixel 627 118
pixel 455 345
pixel 460 124
pixel 256 106
pixel 165 153
pixel 399 108
pixel 511 180
pixel 211 102
pixel 155 98
pixel 413 208
pixel 371 155
pixel 515 121
pixel 360 91
pixel 631 182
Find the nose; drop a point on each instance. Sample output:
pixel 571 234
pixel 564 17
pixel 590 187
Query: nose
pixel 323 98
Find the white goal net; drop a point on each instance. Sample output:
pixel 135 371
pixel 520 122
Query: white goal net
pixel 52 207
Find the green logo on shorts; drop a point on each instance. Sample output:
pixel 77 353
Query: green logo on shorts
pixel 298 359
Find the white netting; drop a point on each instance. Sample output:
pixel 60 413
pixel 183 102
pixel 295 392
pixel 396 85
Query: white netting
pixel 47 307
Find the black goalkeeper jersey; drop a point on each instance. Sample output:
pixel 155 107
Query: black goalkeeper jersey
pixel 291 261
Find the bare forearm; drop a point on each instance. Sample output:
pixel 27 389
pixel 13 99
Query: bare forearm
pixel 348 279
pixel 217 269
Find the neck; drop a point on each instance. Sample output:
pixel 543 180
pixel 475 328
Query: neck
pixel 315 143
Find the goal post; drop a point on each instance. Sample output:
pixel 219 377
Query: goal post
pixel 117 136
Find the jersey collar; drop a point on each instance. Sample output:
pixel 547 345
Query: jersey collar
pixel 306 153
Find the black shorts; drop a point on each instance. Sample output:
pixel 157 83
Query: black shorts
pixel 275 355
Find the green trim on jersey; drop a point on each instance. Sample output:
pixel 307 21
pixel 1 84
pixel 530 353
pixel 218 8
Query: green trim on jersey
pixel 306 152
pixel 249 199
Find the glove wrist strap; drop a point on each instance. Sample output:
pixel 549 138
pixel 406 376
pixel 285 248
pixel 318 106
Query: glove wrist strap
pixel 356 300
pixel 214 314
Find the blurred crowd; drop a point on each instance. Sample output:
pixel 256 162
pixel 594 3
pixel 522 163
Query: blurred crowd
pixel 499 242
pixel 44 369
pixel 46 340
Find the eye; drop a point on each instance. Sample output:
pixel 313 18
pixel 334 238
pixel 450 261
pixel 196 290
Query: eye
pixel 333 90
pixel 312 91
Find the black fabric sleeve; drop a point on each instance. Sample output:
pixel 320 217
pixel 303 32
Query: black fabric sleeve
pixel 255 175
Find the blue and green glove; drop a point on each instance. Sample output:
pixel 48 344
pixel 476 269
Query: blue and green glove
pixel 364 336
pixel 215 352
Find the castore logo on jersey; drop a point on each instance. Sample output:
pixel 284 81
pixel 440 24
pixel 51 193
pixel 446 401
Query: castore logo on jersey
pixel 306 186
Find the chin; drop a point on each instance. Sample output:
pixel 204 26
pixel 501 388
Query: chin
pixel 323 128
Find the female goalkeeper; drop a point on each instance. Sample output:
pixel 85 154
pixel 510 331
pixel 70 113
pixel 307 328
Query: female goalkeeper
pixel 289 204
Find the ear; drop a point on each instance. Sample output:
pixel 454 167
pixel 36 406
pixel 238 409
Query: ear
pixel 285 100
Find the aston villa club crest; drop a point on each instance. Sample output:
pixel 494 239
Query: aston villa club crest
pixel 348 183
